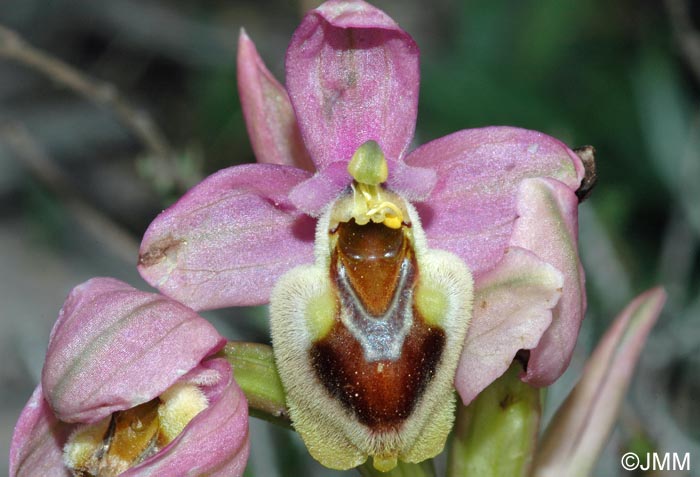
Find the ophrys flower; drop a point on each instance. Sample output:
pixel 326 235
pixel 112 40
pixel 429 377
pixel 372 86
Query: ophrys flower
pixel 396 237
pixel 129 388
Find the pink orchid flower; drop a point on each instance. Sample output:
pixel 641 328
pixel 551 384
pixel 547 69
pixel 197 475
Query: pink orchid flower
pixel 500 198
pixel 130 387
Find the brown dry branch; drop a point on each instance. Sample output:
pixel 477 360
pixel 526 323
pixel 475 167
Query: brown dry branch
pixel 45 170
pixel 103 94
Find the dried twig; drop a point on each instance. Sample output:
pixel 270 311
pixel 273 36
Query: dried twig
pixel 587 156
pixel 41 166
pixel 13 47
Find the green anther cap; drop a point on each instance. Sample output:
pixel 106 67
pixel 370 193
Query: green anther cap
pixel 368 165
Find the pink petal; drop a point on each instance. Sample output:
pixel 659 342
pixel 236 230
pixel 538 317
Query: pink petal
pixel 272 126
pixel 512 308
pixel 548 226
pixel 581 426
pixel 228 239
pixel 413 183
pixel 114 347
pixel 472 209
pixel 314 194
pixel 352 76
pixel 215 442
pixel 37 443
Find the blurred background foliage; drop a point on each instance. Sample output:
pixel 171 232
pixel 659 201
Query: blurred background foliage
pixel 78 188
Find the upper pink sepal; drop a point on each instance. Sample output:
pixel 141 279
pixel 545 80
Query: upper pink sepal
pixel 578 431
pixel 472 209
pixel 228 240
pixel 512 308
pixel 37 443
pixel 355 14
pixel 352 76
pixel 272 126
pixel 216 441
pixel 548 226
pixel 115 347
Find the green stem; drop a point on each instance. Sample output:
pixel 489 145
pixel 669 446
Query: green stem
pixel 403 469
pixel 255 372
pixel 496 435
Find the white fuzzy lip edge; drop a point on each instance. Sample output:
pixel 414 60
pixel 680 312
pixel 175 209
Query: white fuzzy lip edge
pixel 332 435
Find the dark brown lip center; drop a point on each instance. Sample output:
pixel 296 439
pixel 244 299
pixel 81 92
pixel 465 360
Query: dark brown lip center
pixel 378 362
pixel 371 255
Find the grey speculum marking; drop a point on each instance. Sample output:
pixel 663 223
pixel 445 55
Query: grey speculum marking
pixel 381 337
